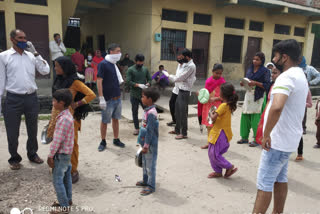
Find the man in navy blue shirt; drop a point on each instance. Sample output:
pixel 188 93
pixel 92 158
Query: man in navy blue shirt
pixel 109 80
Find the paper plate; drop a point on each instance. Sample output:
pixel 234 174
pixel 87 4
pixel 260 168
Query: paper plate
pixel 203 96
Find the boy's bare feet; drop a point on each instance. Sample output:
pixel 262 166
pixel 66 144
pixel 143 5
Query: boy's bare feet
pixel 215 175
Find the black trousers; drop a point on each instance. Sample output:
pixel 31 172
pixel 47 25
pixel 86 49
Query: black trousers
pixel 182 112
pixel 135 102
pixel 300 148
pixel 304 122
pixel 172 105
pixel 15 106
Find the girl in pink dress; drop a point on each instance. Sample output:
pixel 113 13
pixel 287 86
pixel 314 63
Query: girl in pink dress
pixel 213 84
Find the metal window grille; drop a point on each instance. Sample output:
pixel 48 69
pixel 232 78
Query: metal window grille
pixel 174 15
pixel 202 19
pixel 172 41
pixel 234 23
pixel 298 31
pixel 282 29
pixel 37 2
pixel 232 47
pixel 256 26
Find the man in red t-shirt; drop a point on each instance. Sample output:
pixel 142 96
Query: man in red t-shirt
pixel 78 59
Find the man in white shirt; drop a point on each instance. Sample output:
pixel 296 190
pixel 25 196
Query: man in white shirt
pixel 17 77
pixel 183 81
pixel 57 49
pixel 282 127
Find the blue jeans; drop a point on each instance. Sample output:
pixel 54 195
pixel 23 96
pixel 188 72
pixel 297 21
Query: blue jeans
pixel 149 163
pixel 62 180
pixel 273 168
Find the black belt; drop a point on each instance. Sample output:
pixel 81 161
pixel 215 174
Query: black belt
pixel 26 94
pixel 183 90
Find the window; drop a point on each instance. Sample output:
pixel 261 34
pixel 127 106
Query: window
pixel 172 41
pixel 101 42
pixel 89 41
pixel 3 41
pixel 301 46
pixel 234 23
pixel 275 41
pixel 174 15
pixel 256 26
pixel 282 29
pixel 37 2
pixel 201 19
pixel 232 47
pixel 298 31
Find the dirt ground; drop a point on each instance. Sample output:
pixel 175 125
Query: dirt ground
pixel 182 169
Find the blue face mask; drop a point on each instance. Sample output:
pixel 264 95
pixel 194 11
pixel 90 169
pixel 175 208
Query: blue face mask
pixel 22 45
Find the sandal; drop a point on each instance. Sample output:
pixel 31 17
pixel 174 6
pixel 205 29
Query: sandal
pixel 180 137
pixel 141 184
pixel 173 132
pixel 230 172
pixel 253 144
pixel 214 175
pixel 242 141
pixel 15 166
pixel 146 191
pixel 37 160
pixel 299 158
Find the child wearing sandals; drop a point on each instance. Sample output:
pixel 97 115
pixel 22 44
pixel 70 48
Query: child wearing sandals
pixel 150 145
pixel 59 158
pixel 220 135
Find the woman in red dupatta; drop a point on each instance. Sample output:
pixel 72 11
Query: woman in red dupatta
pixel 213 84
pixel 94 64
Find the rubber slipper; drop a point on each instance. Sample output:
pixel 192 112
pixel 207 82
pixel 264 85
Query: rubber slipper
pixel 141 184
pixel 227 175
pixel 146 191
pixel 214 175
pixel 242 142
pixel 172 132
pixel 253 144
pixel 317 146
pixel 204 147
pixel 180 137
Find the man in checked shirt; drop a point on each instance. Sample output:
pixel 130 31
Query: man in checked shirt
pixel 60 151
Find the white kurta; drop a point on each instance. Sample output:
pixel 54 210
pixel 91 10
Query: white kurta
pixel 249 105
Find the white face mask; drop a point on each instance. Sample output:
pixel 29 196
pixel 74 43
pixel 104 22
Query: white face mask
pixel 113 58
pixel 89 57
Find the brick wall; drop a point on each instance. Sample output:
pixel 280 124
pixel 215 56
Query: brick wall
pixel 309 3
